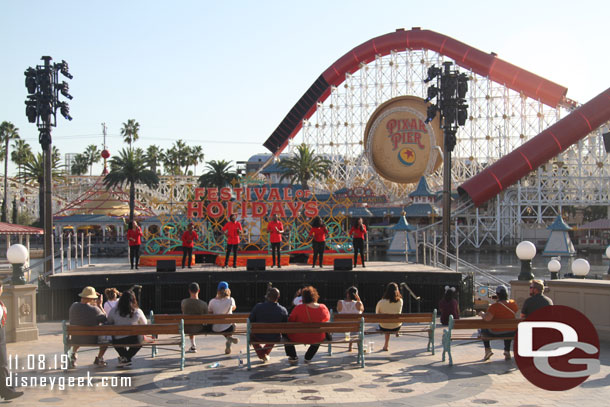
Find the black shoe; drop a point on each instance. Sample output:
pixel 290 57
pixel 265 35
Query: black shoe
pixel 9 394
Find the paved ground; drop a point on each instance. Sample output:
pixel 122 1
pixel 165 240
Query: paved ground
pixel 406 376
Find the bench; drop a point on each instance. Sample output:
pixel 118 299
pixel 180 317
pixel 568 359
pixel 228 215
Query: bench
pixel 473 324
pixel 416 323
pixel 177 330
pixel 254 328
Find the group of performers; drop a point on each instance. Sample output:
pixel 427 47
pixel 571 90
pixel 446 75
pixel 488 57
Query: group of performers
pixel 234 231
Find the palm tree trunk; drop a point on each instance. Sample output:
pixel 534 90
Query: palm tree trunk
pixel 5 207
pixel 132 201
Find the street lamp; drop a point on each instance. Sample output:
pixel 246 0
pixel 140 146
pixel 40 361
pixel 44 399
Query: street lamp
pixel 526 252
pixel 17 255
pixel 554 266
pixel 580 268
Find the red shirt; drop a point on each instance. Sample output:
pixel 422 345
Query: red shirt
pixel 319 233
pixel 188 238
pixel 134 237
pixel 303 313
pixel 504 310
pixel 233 229
pixel 274 228
pixel 356 233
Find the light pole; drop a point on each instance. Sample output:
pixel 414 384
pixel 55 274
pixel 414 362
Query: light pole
pixel 17 255
pixel 526 252
pixel 554 266
pixel 580 268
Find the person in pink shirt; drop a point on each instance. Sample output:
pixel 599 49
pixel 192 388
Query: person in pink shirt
pixel 358 233
pixel 275 229
pixel 188 242
pixel 318 232
pixel 232 230
pixel 134 239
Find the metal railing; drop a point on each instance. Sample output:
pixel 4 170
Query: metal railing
pixel 411 296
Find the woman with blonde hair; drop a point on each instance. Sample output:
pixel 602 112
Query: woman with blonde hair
pixel 223 303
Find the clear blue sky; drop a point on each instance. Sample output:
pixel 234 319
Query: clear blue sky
pixel 223 74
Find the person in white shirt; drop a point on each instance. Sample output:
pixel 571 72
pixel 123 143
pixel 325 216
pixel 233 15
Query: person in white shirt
pixel 350 305
pixel 223 304
pixel 127 313
pixel 112 299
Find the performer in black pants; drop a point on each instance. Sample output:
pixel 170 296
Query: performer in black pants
pixel 358 232
pixel 232 229
pixel 318 232
pixel 275 229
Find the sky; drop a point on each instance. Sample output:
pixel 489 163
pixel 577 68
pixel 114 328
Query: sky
pixel 223 74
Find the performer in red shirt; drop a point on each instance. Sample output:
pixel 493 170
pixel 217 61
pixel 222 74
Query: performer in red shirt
pixel 275 229
pixel 134 238
pixel 232 230
pixel 358 232
pixel 188 242
pixel 319 233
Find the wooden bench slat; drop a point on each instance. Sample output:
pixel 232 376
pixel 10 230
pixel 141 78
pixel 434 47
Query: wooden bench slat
pixel 201 319
pixel 119 330
pixel 377 318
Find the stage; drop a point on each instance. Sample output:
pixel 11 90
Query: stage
pixel 163 291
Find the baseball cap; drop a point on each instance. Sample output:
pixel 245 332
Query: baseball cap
pixel 501 288
pixel 223 285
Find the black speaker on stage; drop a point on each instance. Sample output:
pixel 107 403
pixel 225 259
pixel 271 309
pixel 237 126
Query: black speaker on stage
pixel 164 266
pixel 342 264
pixel 606 137
pixel 255 265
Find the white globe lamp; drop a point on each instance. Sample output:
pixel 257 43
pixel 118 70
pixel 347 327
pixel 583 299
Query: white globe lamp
pixel 526 252
pixel 17 255
pixel 580 268
pixel 554 266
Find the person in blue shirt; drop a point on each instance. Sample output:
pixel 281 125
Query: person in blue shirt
pixel 268 311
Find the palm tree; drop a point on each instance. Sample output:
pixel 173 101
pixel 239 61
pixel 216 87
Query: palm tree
pixel 153 157
pixel 176 158
pixel 195 156
pixel 130 131
pixel 79 165
pixel 93 155
pixel 22 153
pixel 219 174
pixel 33 171
pixel 129 168
pixel 304 166
pixel 8 132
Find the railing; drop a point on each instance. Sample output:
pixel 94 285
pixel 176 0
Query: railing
pixel 459 264
pixel 411 295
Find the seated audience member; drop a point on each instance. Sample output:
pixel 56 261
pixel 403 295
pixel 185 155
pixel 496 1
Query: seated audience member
pixel 350 305
pixel 112 299
pixel 223 304
pixel 127 312
pixel 308 311
pixel 268 311
pixel 193 306
pixel 503 308
pixel 536 300
pixel 448 305
pixel 297 300
pixel 390 303
pixel 6 392
pixel 88 312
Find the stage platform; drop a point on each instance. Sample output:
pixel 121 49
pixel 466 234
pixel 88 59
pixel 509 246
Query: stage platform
pixel 163 291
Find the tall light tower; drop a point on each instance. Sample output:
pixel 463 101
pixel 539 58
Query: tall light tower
pixel 450 90
pixel 42 103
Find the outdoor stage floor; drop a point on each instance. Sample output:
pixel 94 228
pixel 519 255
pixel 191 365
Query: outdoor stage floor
pixel 372 266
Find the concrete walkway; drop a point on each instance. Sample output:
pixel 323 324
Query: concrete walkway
pixel 405 376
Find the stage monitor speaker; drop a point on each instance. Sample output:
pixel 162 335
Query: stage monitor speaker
pixel 606 137
pixel 255 265
pixel 164 266
pixel 342 264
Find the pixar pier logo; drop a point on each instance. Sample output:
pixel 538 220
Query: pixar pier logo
pixel 557 348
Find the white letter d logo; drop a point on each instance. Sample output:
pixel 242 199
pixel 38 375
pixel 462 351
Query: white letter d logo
pixel 526 336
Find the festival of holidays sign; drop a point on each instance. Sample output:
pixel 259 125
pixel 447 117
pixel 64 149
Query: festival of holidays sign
pixel 398 142
pixel 255 202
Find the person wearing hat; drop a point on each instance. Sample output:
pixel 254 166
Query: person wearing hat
pixel 89 312
pixel 193 306
pixel 536 300
pixel 223 303
pixel 503 308
pixel 188 242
